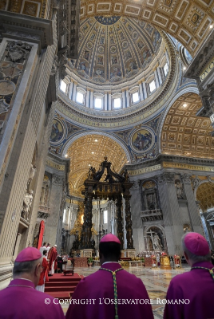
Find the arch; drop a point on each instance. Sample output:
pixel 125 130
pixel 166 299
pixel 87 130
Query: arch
pixel 187 22
pixel 179 94
pixel 73 139
pixel 86 150
pixel 205 195
pixel 183 133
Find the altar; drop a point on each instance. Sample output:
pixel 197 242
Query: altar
pixel 80 262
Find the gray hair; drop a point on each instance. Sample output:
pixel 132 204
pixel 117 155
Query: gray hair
pixel 193 257
pixel 25 267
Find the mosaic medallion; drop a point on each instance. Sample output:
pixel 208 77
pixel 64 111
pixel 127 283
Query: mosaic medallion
pixel 142 140
pixel 57 132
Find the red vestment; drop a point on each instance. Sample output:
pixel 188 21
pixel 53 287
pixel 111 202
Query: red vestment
pixel 44 273
pixel 52 257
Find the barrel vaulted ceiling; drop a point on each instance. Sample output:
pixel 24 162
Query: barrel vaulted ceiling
pixel 205 195
pixel 184 133
pixel 186 20
pixel 88 151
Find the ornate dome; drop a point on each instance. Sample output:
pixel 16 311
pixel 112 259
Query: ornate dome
pixel 114 49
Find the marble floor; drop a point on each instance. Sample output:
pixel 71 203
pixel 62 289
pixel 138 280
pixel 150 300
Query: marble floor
pixel 156 282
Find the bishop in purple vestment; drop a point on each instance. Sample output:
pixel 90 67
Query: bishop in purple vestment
pixel 190 295
pixel 111 292
pixel 20 300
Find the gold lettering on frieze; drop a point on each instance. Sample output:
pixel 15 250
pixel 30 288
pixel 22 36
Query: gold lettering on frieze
pixel 54 165
pixel 190 167
pixel 207 70
pixel 145 170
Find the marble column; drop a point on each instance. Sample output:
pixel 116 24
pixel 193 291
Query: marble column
pixel 87 225
pixel 106 101
pixel 92 100
pixel 128 221
pixel 137 225
pixel 159 75
pixel 141 91
pixel 205 227
pixel 144 90
pixel 51 232
pixel 119 220
pixel 70 90
pixel 109 101
pixel 124 223
pixel 156 78
pixel 87 98
pixel 192 205
pixel 127 98
pixel 123 99
pixel 171 216
pixel 74 92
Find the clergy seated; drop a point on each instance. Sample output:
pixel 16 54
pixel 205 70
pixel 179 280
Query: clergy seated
pixel 111 282
pixel 20 299
pixel 190 295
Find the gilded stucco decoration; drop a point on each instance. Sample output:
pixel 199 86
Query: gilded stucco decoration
pixel 184 133
pixel 188 21
pixel 33 8
pixel 114 49
pixel 205 195
pixel 87 151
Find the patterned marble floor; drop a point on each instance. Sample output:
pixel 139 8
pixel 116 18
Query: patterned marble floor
pixel 156 282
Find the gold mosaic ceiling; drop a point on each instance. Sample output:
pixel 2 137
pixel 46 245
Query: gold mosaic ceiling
pixel 115 49
pixel 185 134
pixel 205 195
pixel 91 150
pixel 188 21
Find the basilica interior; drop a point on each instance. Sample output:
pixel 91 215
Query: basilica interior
pixel 106 125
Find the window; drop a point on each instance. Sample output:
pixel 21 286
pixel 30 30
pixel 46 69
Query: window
pixel 166 69
pixel 80 98
pixel 117 103
pixel 105 217
pixel 98 103
pixel 152 86
pixel 63 86
pixel 135 97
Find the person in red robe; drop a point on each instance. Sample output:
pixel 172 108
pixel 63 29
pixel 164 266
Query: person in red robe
pixel 20 299
pixel 190 295
pixel 44 274
pixel 110 283
pixel 52 255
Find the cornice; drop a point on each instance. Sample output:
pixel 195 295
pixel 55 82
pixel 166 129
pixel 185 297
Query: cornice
pixel 167 158
pixel 25 28
pixel 203 56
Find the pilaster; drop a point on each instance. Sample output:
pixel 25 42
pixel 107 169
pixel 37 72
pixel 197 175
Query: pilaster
pixel 192 206
pixel 170 208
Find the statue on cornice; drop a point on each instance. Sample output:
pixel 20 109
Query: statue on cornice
pixel 179 189
pixel 27 202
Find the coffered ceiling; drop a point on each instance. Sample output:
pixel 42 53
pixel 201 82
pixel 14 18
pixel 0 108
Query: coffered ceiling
pixel 188 21
pixel 90 150
pixel 185 134
pixel 205 195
